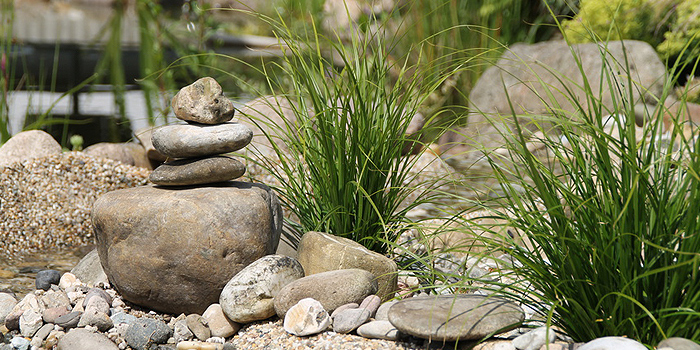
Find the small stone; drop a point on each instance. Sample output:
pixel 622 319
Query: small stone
pixel 83 339
pixel 12 319
pixel 535 339
pixel 203 102
pixel 41 334
pixel 69 320
pixel 348 320
pixel 50 315
pixel 219 324
pixel 101 294
pixel 197 171
pixel 382 313
pixel 45 278
pixel 145 332
pixel 455 317
pixel 181 331
pixel 53 298
pixel 676 343
pixel 344 307
pixel 123 318
pixel 7 303
pixel 249 295
pixel 332 289
pixel 67 280
pixel 371 303
pixel 378 330
pixel 198 326
pixel 93 317
pixel 306 317
pixel 612 343
pixel 20 343
pixel 30 322
pixel 53 338
pixel 189 141
pixel 96 304
pixel 196 345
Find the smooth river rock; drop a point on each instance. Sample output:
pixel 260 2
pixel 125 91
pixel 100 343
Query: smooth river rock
pixel 83 339
pixel 612 343
pixel 203 102
pixel 174 250
pixel 28 145
pixel 677 343
pixel 454 317
pixel 249 295
pixel 320 252
pixel 197 171
pixel 190 140
pixel 306 317
pixel 332 289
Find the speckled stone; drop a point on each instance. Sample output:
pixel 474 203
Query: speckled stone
pixel 203 102
pixel 188 141
pixel 197 171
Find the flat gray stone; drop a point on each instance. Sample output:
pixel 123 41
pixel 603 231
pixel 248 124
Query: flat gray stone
pixel 89 270
pixel 188 141
pixel 454 317
pixel 7 303
pixel 348 320
pixel 145 332
pixel 197 171
pixel 203 102
pixel 249 295
pixel 332 289
pixel 196 324
pixel 378 330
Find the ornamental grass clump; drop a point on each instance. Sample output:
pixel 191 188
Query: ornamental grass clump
pixel 612 218
pixel 340 158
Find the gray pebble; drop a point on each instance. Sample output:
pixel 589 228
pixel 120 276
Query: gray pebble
pixel 20 343
pixel 378 330
pixel 146 331
pixel 45 278
pixel 348 320
pixel 69 320
pixel 198 326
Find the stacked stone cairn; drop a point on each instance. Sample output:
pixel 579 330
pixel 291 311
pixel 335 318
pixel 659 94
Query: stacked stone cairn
pixel 198 146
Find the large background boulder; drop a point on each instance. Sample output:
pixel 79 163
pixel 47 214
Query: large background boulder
pixel 526 75
pixel 174 249
pixel 28 145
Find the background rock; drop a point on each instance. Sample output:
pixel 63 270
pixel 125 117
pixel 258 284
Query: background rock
pixel 28 145
pixel 175 250
pixel 89 270
pixel 320 252
pixel 130 153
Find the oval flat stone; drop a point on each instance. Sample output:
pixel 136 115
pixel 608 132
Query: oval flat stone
pixel 197 171
pixel 196 140
pixel 455 317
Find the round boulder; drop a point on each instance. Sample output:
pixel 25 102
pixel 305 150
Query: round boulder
pixel 28 145
pixel 248 295
pixel 174 250
pixel 320 252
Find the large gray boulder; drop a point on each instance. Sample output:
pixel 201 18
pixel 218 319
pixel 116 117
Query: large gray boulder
pixel 28 145
pixel 175 250
pixel 526 75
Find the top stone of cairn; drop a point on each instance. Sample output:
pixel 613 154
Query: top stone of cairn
pixel 203 102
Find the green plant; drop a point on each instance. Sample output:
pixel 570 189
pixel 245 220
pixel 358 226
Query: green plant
pixel 682 41
pixel 616 20
pixel 6 69
pixel 340 161
pixel 611 220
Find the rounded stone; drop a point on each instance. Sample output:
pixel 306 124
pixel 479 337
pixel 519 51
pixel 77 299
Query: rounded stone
pixel 306 317
pixel 332 289
pixel 28 145
pixel 348 320
pixel 50 315
pixel 69 320
pixel 219 324
pixel 249 295
pixel 145 332
pixel 677 343
pixel 30 322
pixel 45 278
pixel 130 153
pixel 197 171
pixel 174 250
pixel 198 326
pixel 83 339
pixel 455 317
pixel 612 343
pixel 188 141
pixel 378 330
pixel 7 303
pixel 203 102
pixel 320 252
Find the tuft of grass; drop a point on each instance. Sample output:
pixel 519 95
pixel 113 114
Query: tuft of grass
pixel 340 161
pixel 611 218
